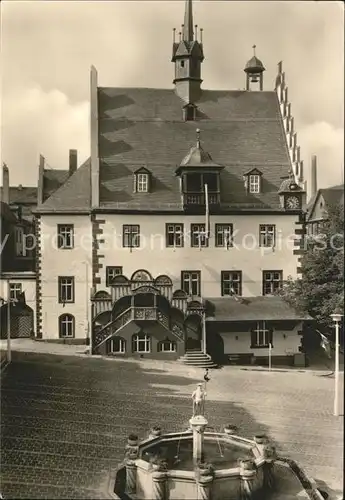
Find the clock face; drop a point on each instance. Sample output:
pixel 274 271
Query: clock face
pixel 292 202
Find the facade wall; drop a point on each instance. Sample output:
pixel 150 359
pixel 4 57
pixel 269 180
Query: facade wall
pixel 285 343
pixel 157 259
pixel 55 262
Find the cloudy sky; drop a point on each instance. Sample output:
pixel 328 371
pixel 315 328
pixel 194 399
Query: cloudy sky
pixel 48 47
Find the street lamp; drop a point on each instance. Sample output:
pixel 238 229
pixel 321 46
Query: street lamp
pixel 336 317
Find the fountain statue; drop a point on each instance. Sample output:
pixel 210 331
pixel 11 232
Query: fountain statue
pixel 205 464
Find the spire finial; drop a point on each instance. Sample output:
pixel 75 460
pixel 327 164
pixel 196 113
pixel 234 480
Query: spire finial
pixel 198 138
pixel 254 47
pixel 196 31
pixel 188 22
pixel 174 34
pixel 201 32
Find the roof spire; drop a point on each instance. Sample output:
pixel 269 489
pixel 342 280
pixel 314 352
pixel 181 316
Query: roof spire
pixel 188 35
pixel 254 47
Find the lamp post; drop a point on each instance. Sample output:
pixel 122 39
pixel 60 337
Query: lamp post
pixel 336 317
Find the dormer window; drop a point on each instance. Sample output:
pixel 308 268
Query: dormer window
pixel 189 113
pixel 253 181
pixel 142 181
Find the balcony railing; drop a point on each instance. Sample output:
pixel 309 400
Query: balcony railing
pixel 198 198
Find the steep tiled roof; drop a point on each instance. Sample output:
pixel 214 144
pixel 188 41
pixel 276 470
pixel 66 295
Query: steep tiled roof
pixel 73 195
pixel 333 195
pixel 254 309
pixel 145 127
pixel 52 180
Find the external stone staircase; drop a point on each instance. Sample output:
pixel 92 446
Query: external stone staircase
pixel 197 358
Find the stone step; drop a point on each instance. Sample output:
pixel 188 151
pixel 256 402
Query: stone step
pixel 197 358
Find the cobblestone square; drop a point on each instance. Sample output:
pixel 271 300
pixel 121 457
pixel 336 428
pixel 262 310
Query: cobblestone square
pixel 65 419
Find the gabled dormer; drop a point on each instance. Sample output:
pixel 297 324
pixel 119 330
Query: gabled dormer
pixel 196 171
pixel 253 181
pixel 189 112
pixel 142 180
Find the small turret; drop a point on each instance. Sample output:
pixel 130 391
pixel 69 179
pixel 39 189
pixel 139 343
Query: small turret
pixel 254 70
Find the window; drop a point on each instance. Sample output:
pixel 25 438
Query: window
pixel 141 343
pixel 198 235
pixel 174 235
pixel 190 282
pixel 272 282
pixel 182 64
pixel 66 326
pixel 231 282
pixel 117 345
pixel 261 336
pixel 167 346
pixel 19 233
pixel 111 272
pixel 267 235
pixel 254 183
pixel 131 236
pixel 224 234
pixel 142 183
pixel 66 289
pixel 15 290
pixel 65 236
pixel 194 183
pixel 189 113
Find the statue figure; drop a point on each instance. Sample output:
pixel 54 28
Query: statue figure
pixel 198 397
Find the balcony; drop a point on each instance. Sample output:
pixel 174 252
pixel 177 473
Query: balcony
pixel 195 199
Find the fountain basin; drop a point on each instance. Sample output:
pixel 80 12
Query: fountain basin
pixel 231 468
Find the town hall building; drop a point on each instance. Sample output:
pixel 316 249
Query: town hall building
pixel 173 239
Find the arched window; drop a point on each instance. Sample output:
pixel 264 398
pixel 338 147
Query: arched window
pixel 66 326
pixel 167 346
pixel 117 345
pixel 141 343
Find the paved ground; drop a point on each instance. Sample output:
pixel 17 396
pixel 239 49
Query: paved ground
pixel 65 419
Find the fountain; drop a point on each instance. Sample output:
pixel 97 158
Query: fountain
pixel 201 463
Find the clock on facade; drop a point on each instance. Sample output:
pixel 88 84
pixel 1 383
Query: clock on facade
pixel 292 202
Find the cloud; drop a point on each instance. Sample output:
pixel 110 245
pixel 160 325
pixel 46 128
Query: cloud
pixel 37 122
pixel 327 143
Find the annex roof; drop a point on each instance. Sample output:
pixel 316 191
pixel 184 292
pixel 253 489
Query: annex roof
pixel 73 196
pixel 263 308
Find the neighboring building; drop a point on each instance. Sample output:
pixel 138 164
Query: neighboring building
pixel 17 278
pixel 18 245
pixel 135 254
pixel 320 202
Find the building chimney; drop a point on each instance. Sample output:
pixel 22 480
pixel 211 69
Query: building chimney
pixel 73 161
pixel 5 184
pixel 313 180
pixel 40 181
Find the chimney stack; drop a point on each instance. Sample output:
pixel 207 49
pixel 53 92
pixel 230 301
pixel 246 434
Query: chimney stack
pixel 313 183
pixel 5 184
pixel 73 161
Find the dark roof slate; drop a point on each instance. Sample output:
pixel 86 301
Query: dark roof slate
pixel 254 309
pixel 22 195
pixel 145 127
pixel 6 213
pixel 73 195
pixel 52 180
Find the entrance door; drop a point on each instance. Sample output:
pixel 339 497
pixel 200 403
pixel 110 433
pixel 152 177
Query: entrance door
pixel 215 347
